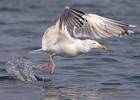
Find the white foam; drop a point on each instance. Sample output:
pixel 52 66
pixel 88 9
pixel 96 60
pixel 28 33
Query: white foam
pixel 21 69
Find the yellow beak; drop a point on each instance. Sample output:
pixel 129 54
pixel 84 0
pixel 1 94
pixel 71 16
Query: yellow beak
pixel 102 46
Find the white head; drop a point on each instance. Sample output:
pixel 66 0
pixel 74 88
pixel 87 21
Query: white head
pixel 94 44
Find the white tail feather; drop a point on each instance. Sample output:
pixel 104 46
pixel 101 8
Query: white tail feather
pixel 36 51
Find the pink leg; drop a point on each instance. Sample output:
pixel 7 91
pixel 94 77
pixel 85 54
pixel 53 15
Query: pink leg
pixel 50 66
pixel 46 67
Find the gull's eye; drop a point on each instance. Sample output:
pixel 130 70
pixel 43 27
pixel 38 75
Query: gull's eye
pixel 94 43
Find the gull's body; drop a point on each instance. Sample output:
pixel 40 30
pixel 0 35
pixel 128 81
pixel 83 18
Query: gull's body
pixel 62 38
pixel 62 45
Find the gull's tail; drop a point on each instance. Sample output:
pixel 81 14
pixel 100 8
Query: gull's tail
pixel 36 51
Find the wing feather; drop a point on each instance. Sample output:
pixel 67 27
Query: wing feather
pixel 80 24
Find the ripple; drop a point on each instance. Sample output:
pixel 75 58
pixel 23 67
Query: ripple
pixel 10 9
pixel 113 89
pixel 106 59
pixel 2 63
pixel 3 23
pixel 4 78
pixel 136 56
pixel 31 48
pixel 135 77
pixel 107 83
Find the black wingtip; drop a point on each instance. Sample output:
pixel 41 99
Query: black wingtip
pixel 78 11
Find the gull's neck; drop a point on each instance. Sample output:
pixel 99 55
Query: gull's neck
pixel 82 46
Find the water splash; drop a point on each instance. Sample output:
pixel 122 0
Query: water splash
pixel 21 69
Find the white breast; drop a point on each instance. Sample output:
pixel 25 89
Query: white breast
pixel 65 50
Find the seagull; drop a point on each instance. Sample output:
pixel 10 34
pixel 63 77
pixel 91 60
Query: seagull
pixel 65 37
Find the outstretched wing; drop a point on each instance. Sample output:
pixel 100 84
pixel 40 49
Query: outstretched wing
pixel 80 24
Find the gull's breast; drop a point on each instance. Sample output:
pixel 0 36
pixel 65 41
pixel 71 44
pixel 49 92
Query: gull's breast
pixel 66 50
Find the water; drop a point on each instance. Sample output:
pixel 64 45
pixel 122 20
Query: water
pixel 99 75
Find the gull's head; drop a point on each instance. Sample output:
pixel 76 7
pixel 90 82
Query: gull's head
pixel 94 44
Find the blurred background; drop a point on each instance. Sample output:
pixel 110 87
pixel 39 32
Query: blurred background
pixel 99 75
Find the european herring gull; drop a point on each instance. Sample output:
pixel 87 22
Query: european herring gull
pixel 64 37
